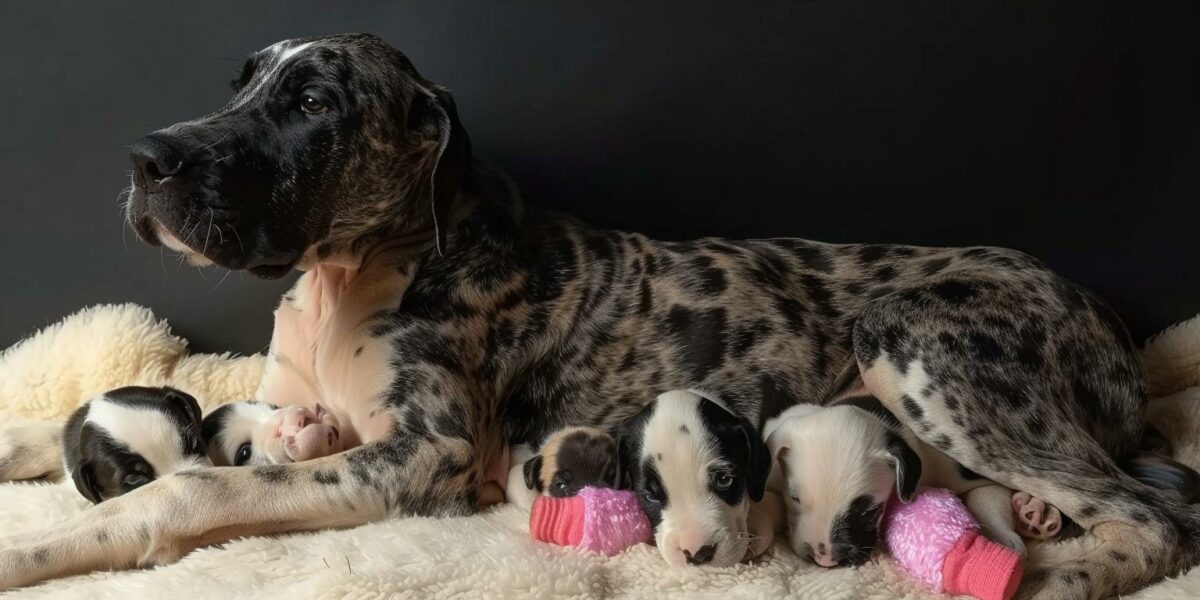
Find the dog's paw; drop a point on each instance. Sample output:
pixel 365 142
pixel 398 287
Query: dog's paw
pixel 1035 519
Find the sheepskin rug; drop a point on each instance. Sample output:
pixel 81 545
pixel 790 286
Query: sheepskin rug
pixel 486 556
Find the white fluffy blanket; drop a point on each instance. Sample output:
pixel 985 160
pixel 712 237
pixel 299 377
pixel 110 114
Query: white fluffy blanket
pixel 486 556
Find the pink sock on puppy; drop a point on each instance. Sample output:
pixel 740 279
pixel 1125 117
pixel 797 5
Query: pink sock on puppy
pixel 597 519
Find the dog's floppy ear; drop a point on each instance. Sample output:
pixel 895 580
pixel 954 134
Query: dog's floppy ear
pixel 533 471
pixel 629 444
pixel 85 481
pixel 758 462
pixel 907 464
pixel 434 116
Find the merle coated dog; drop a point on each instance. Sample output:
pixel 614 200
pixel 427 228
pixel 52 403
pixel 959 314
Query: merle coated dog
pixel 441 319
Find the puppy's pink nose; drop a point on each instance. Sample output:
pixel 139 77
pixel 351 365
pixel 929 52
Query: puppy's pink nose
pixel 823 557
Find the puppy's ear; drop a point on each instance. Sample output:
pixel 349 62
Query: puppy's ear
pixel 84 475
pixel 189 403
pixel 533 471
pixel 434 116
pixel 758 463
pixel 907 464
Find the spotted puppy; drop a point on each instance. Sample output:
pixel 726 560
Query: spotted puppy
pixel 699 472
pixel 569 460
pixel 128 437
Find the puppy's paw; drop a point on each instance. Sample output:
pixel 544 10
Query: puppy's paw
pixel 1035 519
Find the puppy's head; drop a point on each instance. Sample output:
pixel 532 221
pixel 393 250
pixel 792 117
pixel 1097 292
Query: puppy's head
pixel 572 459
pixel 328 143
pixel 260 433
pixel 128 437
pixel 695 468
pixel 841 466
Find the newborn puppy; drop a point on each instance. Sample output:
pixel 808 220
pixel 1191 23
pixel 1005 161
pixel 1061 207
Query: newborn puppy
pixel 569 460
pixel 837 467
pixel 260 433
pixel 128 437
pixel 697 469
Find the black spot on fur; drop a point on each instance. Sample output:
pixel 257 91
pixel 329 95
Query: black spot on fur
pixel 912 408
pixel 985 347
pixel 684 429
pixel 871 253
pixel 358 351
pixel 1088 511
pixel 273 474
pixel 198 475
pixel 812 256
pixel 700 335
pixel 954 292
pixel 885 273
pixel 327 477
pixel 41 557
pixel 943 442
pixel 646 298
pixel 1118 556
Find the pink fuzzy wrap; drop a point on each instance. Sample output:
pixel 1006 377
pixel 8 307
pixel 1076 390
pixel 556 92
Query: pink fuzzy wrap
pixel 597 519
pixel 937 540
pixel 921 533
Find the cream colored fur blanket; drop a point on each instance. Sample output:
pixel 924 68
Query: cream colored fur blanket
pixel 485 556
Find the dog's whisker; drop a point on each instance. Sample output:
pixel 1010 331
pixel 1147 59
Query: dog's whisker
pixel 227 272
pixel 208 232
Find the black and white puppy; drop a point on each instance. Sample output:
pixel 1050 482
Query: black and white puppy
pixel 697 470
pixel 569 460
pixel 126 438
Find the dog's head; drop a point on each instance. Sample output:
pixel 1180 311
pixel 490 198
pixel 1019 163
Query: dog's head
pixel 570 460
pixel 695 468
pixel 128 437
pixel 260 433
pixel 840 467
pixel 327 144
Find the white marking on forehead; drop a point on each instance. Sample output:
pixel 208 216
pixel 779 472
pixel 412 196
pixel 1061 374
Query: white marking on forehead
pixel 150 433
pixel 685 459
pixel 281 55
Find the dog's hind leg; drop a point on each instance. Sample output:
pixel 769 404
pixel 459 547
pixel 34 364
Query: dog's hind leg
pixel 31 450
pixel 1030 382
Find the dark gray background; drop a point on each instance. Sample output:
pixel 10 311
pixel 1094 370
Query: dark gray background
pixel 1066 129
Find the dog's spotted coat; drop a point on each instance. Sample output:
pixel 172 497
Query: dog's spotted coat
pixel 505 323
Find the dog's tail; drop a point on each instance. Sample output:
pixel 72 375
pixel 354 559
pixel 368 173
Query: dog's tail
pixel 1158 471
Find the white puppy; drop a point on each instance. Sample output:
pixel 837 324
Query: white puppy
pixel 838 466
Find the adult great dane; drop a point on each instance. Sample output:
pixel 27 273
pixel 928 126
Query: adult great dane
pixel 465 321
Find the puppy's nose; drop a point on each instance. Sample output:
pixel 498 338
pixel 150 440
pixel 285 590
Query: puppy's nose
pixel 823 557
pixel 701 556
pixel 156 159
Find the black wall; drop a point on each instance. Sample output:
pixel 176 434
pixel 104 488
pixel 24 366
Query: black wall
pixel 1066 129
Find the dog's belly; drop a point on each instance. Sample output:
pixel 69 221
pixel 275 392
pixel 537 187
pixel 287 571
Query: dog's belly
pixel 323 351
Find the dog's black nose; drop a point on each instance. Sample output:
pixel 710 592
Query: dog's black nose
pixel 156 159
pixel 702 556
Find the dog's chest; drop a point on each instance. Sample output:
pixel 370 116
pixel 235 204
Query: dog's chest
pixel 323 349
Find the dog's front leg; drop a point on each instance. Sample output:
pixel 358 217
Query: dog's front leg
pixel 31 450
pixel 162 521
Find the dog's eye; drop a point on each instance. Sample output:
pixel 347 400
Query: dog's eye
pixel 723 481
pixel 312 106
pixel 560 485
pixel 134 480
pixel 243 455
pixel 650 497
